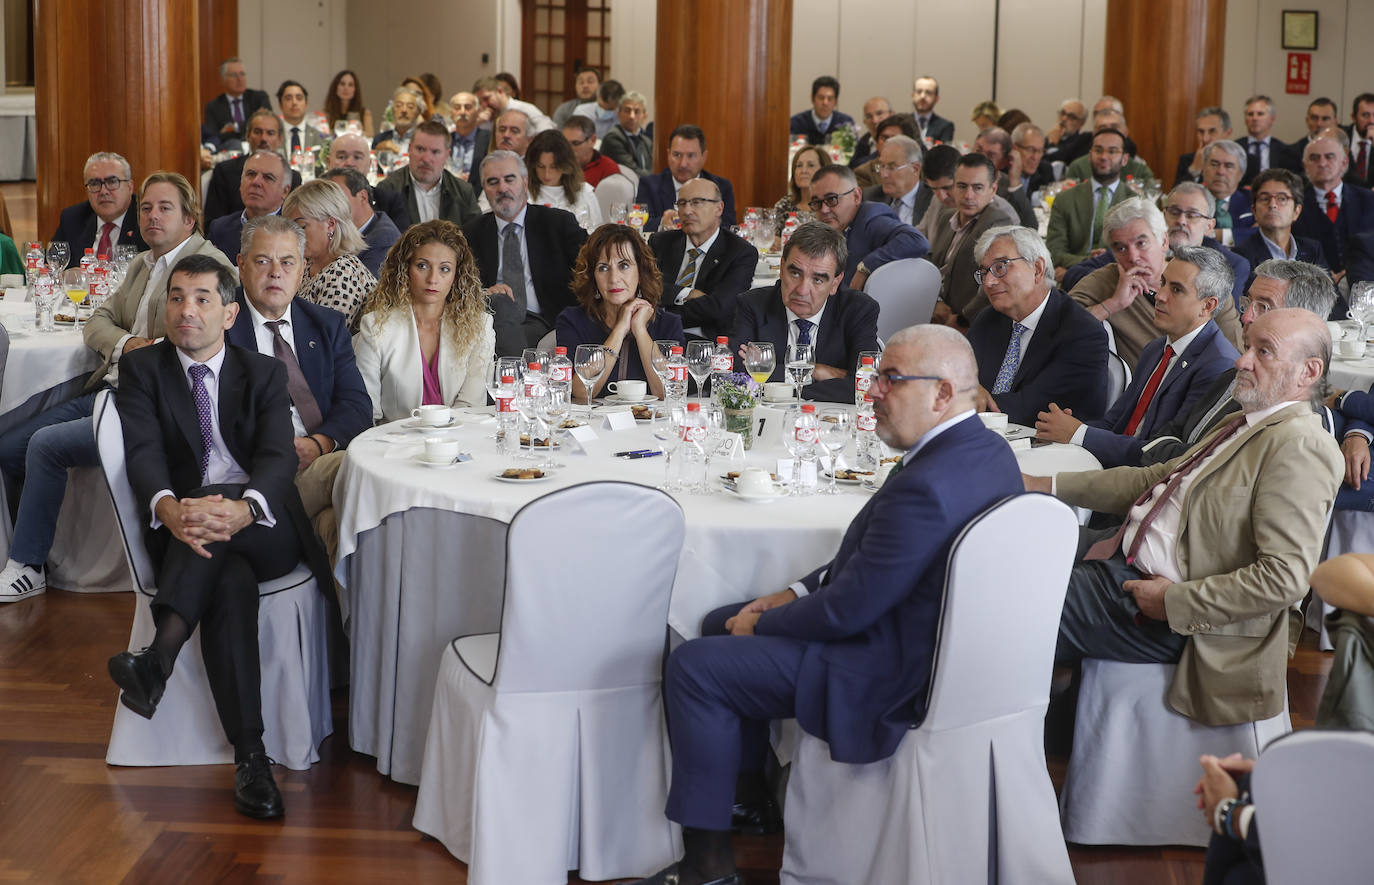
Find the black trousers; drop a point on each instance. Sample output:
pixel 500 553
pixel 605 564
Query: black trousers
pixel 1100 619
pixel 220 595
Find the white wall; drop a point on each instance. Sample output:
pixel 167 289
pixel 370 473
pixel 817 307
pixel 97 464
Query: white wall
pixel 633 26
pixel 302 40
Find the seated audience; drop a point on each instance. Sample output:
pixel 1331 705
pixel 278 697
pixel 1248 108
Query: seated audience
pixel 431 191
pixel 1174 372
pixel 817 123
pixel 931 127
pixel 1263 151
pixel 995 144
pixel 957 231
pixel 873 233
pixel 808 305
pixel 1035 346
pixel 876 110
pixel 899 165
pixel 1212 124
pixel 334 277
pixel 585 83
pixel 877 602
pixel 425 99
pixel 1135 168
pixel 1333 211
pixel 512 131
pixel 1077 219
pixel 866 173
pixel 805 164
pixel 104 220
pixel 686 161
pixel 628 143
pixel 405 114
pixel 223 195
pixel 345 102
pixel 352 152
pixel 617 284
pixel 499 96
pixel 227 113
pixel 557 180
pixel 985 115
pixel 937 179
pixel 263 185
pixel 603 109
pixel 302 126
pixel 1066 140
pixel 707 268
pixel 426 337
pixel 1223 164
pixel 470 142
pixel 525 255
pixel 1321 116
pixel 1028 168
pixel 1233 851
pixel 377 230
pixel 580 132
pixel 1277 196
pixel 1361 131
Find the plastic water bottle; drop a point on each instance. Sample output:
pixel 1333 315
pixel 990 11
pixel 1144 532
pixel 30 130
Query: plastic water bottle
pixel 560 368
pixel 87 261
pixel 863 379
pixel 98 285
pixel 33 262
pixel 867 446
pixel 692 451
pixel 722 364
pixel 507 419
pixel 676 379
pixel 788 226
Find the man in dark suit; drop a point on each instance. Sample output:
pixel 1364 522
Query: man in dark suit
pixel 525 254
pixel 262 189
pixel 329 402
pixel 686 160
pixel 1223 164
pixel 1361 132
pixel 1213 124
pixel 1321 114
pixel 207 435
pixel 1028 168
pixel 377 229
pixel 875 604
pixel 431 191
pixel 104 220
pixel 808 306
pixel 817 123
pixel 1174 371
pixel 873 233
pixel 1359 257
pixel 925 94
pixel 630 143
pixel 995 144
pixel 866 173
pixel 1333 211
pixel 352 152
pixel 227 114
pixel 1277 195
pixel 222 195
pixel 705 269
pixel 470 141
pixel 1263 151
pixel 876 110
pixel 1036 346
pixel 956 232
pixel 899 164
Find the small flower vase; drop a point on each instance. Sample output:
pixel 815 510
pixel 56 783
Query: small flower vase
pixel 741 421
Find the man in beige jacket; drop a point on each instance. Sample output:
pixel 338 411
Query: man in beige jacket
pixel 1217 543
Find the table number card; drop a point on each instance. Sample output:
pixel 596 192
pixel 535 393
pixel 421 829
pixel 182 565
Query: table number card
pixel 731 446
pixel 618 421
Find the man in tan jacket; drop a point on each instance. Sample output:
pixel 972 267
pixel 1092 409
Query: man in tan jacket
pixel 1217 543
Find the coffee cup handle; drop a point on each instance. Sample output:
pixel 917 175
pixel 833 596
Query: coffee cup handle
pixel 414 413
pixel 613 387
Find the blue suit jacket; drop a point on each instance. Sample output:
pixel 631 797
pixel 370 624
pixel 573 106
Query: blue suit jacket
pixel 878 236
pixel 324 351
pixel 1208 356
pixel 657 192
pixel 225 233
pixel 1065 362
pixel 802 124
pixel 872 615
pixel 1242 216
pixel 1356 216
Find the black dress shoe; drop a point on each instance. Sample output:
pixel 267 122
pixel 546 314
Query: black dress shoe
pixel 255 791
pixel 140 675
pixel 669 876
pixel 755 818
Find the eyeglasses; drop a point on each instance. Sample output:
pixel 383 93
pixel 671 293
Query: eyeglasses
pixel 1107 151
pixel 1261 308
pixel 95 184
pixel 880 168
pixel 998 269
pixel 580 142
pixel 831 200
pixel 1176 213
pixel 883 381
pixel 693 203
pixel 1276 199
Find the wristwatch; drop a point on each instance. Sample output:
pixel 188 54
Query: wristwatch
pixel 254 508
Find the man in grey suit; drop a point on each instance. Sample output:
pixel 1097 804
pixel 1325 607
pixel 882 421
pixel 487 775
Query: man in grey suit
pixel 628 143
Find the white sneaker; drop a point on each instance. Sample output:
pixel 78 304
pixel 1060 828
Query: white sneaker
pixel 19 581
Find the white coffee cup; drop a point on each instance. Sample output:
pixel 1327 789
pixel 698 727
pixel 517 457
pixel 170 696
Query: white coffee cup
pixel 754 481
pixel 779 390
pixel 993 420
pixel 629 390
pixel 1335 330
pixel 440 449
pixel 1350 347
pixel 432 415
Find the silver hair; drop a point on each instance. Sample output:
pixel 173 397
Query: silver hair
pixel 915 151
pixel 107 157
pixel 633 97
pixel 1215 279
pixel 224 65
pixel 1309 287
pixel 1219 113
pixel 323 200
pixel 1236 151
pixel 1136 209
pixel 1115 103
pixel 503 155
pixel 1192 187
pixel 399 90
pixel 997 136
pixel 816 240
pixel 1068 101
pixel 508 111
pixel 1018 135
pixel 279 157
pixel 1027 241
pixel 1268 102
pixel 843 173
pixel 272 224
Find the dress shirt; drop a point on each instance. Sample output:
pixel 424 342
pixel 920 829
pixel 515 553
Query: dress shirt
pixel 823 126
pixel 118 222
pixel 427 201
pixel 923 123
pixel 1263 150
pixel 1030 322
pixel 1321 196
pixel 222 467
pixel 1158 551
pixel 1180 344
pixel 1276 252
pixel 461 151
pixel 905 207
pixel 687 258
pixel 263 336
pixel 531 302
pixel 815 320
pixel 156 287
pixel 298 131
pixel 1098 194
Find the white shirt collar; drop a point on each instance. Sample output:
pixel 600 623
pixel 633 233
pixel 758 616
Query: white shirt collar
pixel 909 198
pixel 814 319
pixel 167 259
pixel 214 362
pixel 1321 194
pixel 1033 318
pixel 706 246
pixel 259 320
pixel 1253 418
pixel 501 223
pixel 1274 249
pixel 1183 341
pixel 934 432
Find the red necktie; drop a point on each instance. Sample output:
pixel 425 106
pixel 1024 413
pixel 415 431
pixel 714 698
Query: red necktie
pixel 1149 393
pixel 104 247
pixel 1332 210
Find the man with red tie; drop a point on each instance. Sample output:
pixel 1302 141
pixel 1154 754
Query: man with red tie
pixel 1174 369
pixel 1333 210
pixel 1362 139
pixel 104 220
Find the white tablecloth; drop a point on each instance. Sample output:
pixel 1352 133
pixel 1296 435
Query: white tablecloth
pixel 430 547
pixel 1352 374
pixel 18 138
pixel 38 361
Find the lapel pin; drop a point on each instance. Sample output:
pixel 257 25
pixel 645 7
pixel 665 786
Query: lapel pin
pixel 312 345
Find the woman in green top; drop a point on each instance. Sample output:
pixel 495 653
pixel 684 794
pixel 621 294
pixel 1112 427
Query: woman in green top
pixel 10 262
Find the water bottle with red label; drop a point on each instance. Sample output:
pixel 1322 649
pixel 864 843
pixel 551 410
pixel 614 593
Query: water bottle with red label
pixel 863 379
pixel 867 447
pixel 676 378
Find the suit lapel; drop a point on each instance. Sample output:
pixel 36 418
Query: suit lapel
pixel 1039 343
pixel 177 388
pixel 1189 355
pixel 231 383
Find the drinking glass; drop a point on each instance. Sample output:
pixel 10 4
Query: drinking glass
pixel 502 366
pixel 663 348
pixel 1362 305
pixel 59 254
pixel 554 406
pixel 340 128
pixel 531 355
pixel 589 362
pixel 618 212
pixel 713 419
pixel 669 436
pixel 74 287
pixel 759 360
pixel 801 362
pixel 699 355
pixel 835 428
pixel 797 448
pixel 527 404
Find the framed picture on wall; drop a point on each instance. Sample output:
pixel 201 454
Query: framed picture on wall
pixel 1300 29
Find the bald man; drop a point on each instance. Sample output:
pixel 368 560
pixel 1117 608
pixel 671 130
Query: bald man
pixel 355 152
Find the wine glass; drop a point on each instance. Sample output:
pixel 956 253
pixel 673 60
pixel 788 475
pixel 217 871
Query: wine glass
pixel 797 446
pixel 589 362
pixel 713 420
pixel 531 390
pixel 669 436
pixel 74 286
pixel 618 212
pixel 801 362
pixel 1362 305
pixel 554 406
pixel 531 355
pixel 699 355
pixel 663 348
pixel 835 428
pixel 759 360
pixel 59 254
pixel 502 366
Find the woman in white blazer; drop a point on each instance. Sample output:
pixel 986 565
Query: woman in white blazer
pixel 426 336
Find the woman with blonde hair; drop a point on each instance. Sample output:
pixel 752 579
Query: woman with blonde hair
pixel 426 337
pixel 985 115
pixel 335 277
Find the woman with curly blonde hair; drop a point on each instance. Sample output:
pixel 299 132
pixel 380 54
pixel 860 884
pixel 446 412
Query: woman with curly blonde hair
pixel 426 337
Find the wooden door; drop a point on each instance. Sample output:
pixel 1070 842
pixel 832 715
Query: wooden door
pixel 557 39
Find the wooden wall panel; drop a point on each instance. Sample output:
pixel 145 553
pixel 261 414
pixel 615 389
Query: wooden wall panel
pixel 725 65
pixel 1164 64
pixel 218 29
pixel 118 77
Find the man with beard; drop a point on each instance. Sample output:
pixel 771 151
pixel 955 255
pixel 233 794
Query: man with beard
pixel 1077 218
pixel 429 189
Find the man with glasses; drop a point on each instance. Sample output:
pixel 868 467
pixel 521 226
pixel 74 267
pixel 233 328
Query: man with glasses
pixel 1028 166
pixel 104 220
pixel 866 173
pixel 223 196
pixel 470 141
pixel 876 110
pixel 995 144
pixel 1110 117
pixel 708 268
pixel 405 112
pixel 580 132
pixel 1076 227
pixel 899 165
pixel 1277 195
pixel 686 161
pixel 873 233
pixel 1066 140
pixel 957 231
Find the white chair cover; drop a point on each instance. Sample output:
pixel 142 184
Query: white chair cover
pixel 966 797
pixel 292 641
pixel 613 189
pixel 906 291
pixel 1134 761
pixel 1118 377
pixel 546 749
pixel 1314 798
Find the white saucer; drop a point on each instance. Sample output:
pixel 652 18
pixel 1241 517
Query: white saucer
pixel 630 400
pixel 417 424
pixel 437 465
pixel 840 480
pixel 757 499
pixel 769 401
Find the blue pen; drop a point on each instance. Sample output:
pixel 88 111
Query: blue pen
pixel 633 452
pixel 636 455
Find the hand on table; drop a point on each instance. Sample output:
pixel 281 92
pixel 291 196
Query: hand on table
pixel 1057 424
pixel 1149 595
pixel 1356 452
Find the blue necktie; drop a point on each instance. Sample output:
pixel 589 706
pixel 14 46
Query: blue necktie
pixel 804 331
pixel 206 415
pixel 1011 362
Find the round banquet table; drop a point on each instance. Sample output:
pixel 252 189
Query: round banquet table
pixel 421 553
pixel 1352 374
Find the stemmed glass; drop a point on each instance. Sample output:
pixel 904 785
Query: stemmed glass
pixel 589 362
pixel 531 355
pixel 801 362
pixel 74 286
pixel 796 447
pixel 531 391
pixel 669 436
pixel 835 427
pixel 554 406
pixel 759 360
pixel 502 366
pixel 59 254
pixel 713 420
pixel 663 348
pixel 1362 305
pixel 699 355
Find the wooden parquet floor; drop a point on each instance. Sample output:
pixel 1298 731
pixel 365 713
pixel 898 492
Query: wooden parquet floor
pixel 67 817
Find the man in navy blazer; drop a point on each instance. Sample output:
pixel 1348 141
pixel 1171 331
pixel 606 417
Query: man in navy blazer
pixel 1325 162
pixel 848 649
pixel 686 160
pixel 822 119
pixel 873 233
pixel 1174 371
pixel 808 306
pixel 82 225
pixel 223 194
pixel 1059 352
pixel 220 115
